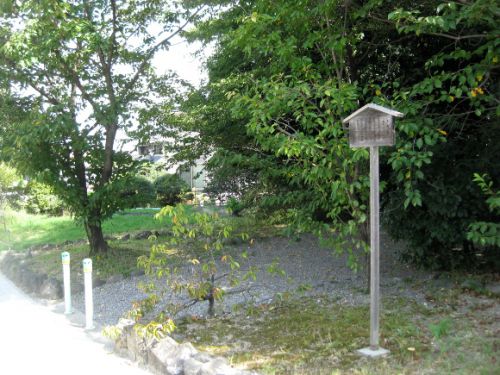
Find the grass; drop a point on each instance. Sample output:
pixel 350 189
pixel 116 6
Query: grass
pixel 24 230
pixel 120 260
pixel 320 336
pixel 20 230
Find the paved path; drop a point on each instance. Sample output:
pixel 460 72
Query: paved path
pixel 34 339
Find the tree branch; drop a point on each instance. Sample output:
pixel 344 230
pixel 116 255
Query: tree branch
pixel 152 51
pixel 44 94
pixel 458 38
pixel 105 61
pixel 113 33
pixel 31 83
pixel 73 76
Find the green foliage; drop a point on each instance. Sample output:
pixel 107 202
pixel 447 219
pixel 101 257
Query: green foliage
pixel 155 329
pixel 151 171
pixel 12 187
pixel 42 200
pixel 436 232
pixel 486 234
pixel 169 189
pixel 135 192
pixel 8 177
pixel 202 238
pixel 235 206
pixel 71 79
pixel 462 107
pixel 282 78
pixel 440 329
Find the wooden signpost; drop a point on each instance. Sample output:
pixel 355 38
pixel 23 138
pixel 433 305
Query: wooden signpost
pixel 373 126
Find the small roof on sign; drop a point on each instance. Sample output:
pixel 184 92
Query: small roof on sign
pixel 373 107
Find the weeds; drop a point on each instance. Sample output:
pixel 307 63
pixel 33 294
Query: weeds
pixel 320 336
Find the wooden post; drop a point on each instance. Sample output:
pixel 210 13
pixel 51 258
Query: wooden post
pixel 374 249
pixel 374 350
pixel 372 126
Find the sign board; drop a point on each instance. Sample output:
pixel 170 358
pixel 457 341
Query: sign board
pixel 370 131
pixel 372 125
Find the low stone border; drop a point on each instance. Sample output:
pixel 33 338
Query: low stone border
pixel 14 266
pixel 168 357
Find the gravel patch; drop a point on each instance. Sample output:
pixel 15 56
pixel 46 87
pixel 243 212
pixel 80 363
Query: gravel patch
pixel 310 270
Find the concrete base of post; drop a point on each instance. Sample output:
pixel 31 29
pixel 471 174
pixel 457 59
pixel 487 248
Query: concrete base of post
pixel 373 353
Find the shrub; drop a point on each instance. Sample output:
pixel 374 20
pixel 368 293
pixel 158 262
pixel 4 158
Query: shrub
pixel 205 237
pixel 235 206
pixel 168 189
pixel 42 200
pixel 12 187
pixel 136 191
pixel 437 231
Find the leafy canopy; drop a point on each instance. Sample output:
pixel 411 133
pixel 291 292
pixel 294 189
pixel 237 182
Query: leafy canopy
pixel 283 77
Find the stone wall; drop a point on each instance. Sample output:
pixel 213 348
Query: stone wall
pixel 168 357
pixel 13 265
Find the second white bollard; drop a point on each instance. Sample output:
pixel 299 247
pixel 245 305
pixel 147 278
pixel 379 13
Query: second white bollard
pixel 89 302
pixel 65 258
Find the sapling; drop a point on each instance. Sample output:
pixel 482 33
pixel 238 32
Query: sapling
pixel 194 260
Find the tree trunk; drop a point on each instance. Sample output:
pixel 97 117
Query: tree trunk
pixel 211 299
pixel 98 244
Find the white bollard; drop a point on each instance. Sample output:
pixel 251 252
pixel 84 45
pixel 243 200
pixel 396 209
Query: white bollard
pixel 89 302
pixel 65 258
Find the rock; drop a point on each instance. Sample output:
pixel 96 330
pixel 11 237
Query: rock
pixel 33 281
pixel 164 232
pixel 136 345
pixel 125 237
pixel 217 366
pixel 164 358
pixel 192 366
pixel 51 289
pixel 187 349
pixel 169 357
pixel 125 326
pixel 142 235
pixel 203 357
